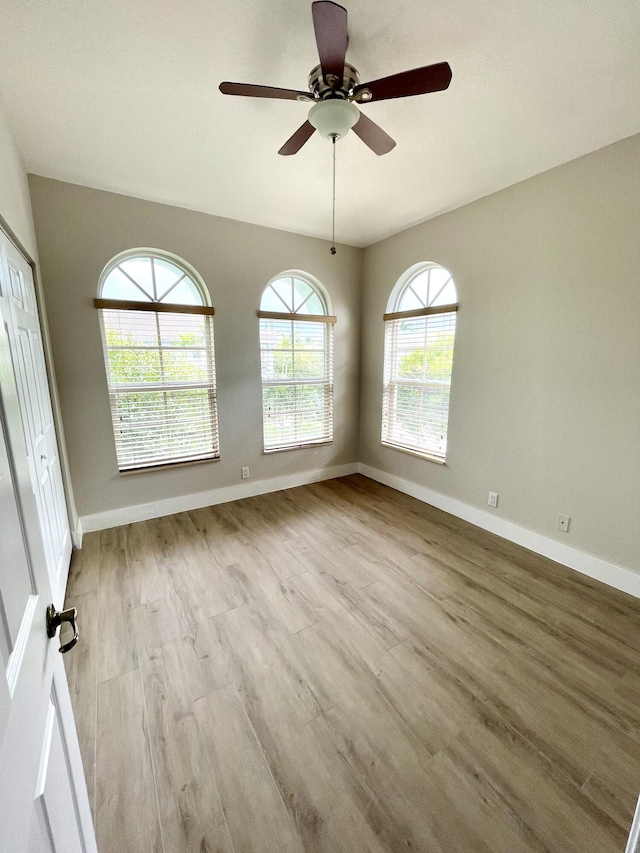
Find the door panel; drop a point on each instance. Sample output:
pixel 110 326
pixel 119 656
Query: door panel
pixel 15 580
pixel 18 300
pixel 53 802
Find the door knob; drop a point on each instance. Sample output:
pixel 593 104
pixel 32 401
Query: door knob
pixel 55 618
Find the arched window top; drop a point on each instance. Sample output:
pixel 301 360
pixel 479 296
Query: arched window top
pixel 295 293
pixel 424 285
pixel 151 275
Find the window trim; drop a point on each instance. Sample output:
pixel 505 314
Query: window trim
pixel 439 460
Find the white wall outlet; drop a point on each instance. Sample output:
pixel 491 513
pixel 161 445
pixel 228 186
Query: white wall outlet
pixel 563 523
pixel 245 473
pixel 493 499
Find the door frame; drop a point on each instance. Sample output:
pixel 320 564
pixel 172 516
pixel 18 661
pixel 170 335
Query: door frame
pixel 72 515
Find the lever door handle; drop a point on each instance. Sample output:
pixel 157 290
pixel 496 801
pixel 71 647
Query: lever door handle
pixel 55 618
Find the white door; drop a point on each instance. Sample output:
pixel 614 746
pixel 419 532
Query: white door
pixel 20 309
pixel 44 806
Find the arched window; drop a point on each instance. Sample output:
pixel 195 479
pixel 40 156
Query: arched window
pixel 418 353
pixel 157 333
pixel 296 351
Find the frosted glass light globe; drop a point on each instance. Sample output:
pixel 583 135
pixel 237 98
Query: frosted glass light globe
pixel 333 117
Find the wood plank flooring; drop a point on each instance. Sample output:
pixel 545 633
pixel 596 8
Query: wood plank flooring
pixel 340 667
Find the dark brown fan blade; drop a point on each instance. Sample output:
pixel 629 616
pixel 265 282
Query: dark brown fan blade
pixel 251 91
pixel 295 143
pixel 373 135
pixel 418 81
pixel 330 25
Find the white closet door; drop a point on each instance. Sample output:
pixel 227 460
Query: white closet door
pixel 44 806
pixel 20 309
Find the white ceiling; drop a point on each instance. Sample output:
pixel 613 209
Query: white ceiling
pixel 123 95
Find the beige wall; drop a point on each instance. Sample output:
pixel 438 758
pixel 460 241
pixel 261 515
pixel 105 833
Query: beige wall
pixel 79 230
pixel 545 402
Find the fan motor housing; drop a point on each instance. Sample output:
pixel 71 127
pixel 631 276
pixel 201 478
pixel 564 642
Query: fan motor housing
pixel 322 90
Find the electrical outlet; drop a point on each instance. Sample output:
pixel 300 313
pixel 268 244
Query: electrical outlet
pixel 563 523
pixel 493 499
pixel 245 473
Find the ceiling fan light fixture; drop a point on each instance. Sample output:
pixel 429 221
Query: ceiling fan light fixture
pixel 334 85
pixel 333 118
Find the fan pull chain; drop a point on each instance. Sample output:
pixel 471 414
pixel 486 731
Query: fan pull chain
pixel 333 208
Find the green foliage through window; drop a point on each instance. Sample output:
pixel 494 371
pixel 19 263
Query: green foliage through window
pixel 433 363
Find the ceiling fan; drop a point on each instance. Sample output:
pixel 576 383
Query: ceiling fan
pixel 335 87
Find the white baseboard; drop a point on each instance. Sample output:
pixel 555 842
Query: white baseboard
pixel 76 534
pixel 615 576
pixel 169 506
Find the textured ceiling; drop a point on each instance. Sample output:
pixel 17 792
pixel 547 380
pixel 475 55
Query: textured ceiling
pixel 123 95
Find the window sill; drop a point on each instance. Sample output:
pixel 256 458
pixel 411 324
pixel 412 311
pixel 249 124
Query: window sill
pixel 165 466
pixel 428 456
pixel 297 447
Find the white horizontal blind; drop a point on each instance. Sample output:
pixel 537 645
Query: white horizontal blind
pixel 297 382
pixel 161 375
pixel 417 381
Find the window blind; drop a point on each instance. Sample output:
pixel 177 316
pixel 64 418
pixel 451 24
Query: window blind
pixel 297 380
pixel 161 377
pixel 417 381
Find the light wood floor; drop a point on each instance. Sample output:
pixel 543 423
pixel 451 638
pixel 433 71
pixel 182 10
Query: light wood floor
pixel 342 668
